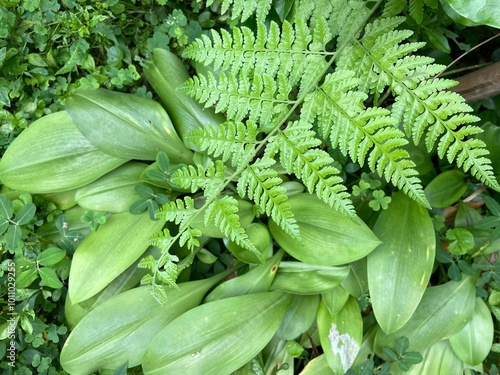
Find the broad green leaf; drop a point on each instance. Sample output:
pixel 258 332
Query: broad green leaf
pixel 340 335
pixel 335 299
pixel 327 238
pixel 106 253
pixel 259 235
pixel 126 126
pixel 25 278
pixel 63 199
pixel 317 366
pixel 51 155
pixel 399 269
pixel 302 278
pixel 473 343
pixel 167 74
pixel 258 279
pixel 128 279
pixel 113 192
pixel 446 189
pixel 299 316
pixel 356 283
pixel 6 208
pixel 194 342
pixel 443 311
pixel 122 327
pixel 13 237
pixel 51 256
pixel 25 214
pixel 439 359
pixel 49 277
pixel 482 12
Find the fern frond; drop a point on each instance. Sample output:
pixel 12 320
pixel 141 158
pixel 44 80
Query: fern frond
pixel 261 184
pixel 363 134
pixel 223 213
pixel 178 211
pixel 232 141
pixel 420 104
pixel 271 52
pixel 245 8
pixel 299 155
pixel 261 99
pixel 193 178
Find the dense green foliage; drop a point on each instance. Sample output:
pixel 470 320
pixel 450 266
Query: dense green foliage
pixel 305 198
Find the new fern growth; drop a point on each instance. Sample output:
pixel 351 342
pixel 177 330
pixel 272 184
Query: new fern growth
pixel 288 90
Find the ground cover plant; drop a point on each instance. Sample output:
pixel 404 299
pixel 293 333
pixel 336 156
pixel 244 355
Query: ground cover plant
pixel 309 197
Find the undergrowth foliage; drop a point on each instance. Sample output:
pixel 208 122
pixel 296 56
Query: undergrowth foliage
pixel 290 91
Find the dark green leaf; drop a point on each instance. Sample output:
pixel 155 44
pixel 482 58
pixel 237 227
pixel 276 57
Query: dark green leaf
pixel 466 267
pixel 163 161
pixel 492 205
pixel 51 256
pixel 488 222
pixel 402 345
pixel 25 214
pixel 13 237
pixel 454 272
pixel 390 354
pixel 4 224
pixel 144 191
pixel 139 206
pixel 49 278
pixel 6 209
pixel 25 278
pixel 412 357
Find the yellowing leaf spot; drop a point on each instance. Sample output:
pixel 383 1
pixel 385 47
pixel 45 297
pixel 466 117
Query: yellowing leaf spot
pixel 344 346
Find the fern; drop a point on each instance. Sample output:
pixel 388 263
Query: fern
pixel 291 91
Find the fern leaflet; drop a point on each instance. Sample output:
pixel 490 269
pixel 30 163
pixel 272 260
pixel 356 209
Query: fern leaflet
pixel 178 211
pixel 222 212
pixel 234 142
pixel 261 184
pixel 193 178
